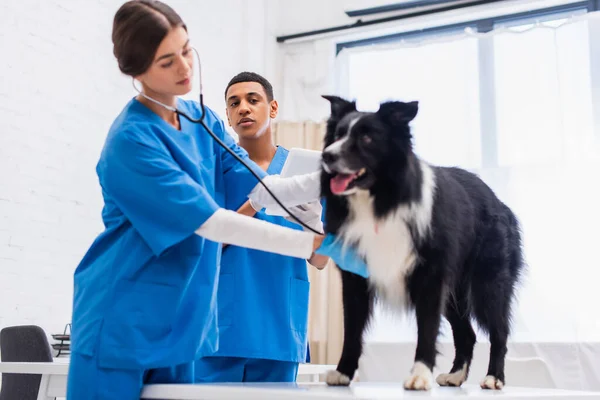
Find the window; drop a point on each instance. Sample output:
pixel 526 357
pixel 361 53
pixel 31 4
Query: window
pixel 542 94
pixel 444 78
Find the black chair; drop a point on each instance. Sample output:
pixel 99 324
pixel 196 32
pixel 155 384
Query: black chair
pixel 23 344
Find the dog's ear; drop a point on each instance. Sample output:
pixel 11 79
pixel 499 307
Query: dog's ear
pixel 339 106
pixel 398 112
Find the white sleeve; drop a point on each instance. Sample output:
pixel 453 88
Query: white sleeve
pixel 226 226
pixel 292 191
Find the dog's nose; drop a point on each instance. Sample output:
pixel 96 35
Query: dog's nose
pixel 329 157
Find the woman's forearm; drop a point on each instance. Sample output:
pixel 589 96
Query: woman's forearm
pixel 226 226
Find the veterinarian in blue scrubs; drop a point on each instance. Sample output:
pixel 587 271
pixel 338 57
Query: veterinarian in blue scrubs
pixel 145 293
pixel 262 297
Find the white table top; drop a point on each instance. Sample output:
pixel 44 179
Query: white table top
pixel 54 368
pixel 60 366
pixel 313 391
pixel 364 390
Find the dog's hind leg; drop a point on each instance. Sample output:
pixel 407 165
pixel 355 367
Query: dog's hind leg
pixel 496 323
pixel 358 304
pixel 457 314
pixel 493 289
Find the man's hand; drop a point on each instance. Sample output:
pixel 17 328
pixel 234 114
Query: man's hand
pixel 317 260
pixel 310 214
pixel 249 209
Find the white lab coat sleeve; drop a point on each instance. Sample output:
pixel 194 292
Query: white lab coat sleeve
pixel 292 191
pixel 226 226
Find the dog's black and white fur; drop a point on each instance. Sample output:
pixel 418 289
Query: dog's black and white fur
pixel 436 240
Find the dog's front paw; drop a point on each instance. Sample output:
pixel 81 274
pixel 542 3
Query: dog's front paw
pixel 421 378
pixel 336 378
pixel 491 382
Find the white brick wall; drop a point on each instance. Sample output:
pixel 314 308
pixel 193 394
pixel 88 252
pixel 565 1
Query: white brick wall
pixel 60 89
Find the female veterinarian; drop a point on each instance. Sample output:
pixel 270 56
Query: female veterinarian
pixel 145 292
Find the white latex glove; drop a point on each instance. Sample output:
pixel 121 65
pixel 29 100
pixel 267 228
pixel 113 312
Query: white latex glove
pixel 309 213
pixel 292 191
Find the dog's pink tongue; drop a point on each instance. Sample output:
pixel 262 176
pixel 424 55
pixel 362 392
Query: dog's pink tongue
pixel 339 183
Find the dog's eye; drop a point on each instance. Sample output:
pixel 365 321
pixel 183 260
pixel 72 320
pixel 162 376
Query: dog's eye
pixel 366 139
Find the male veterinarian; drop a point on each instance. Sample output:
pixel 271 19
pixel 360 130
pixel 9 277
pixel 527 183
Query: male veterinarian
pixel 262 297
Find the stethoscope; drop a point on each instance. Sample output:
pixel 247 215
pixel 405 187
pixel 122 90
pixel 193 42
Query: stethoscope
pixel 216 138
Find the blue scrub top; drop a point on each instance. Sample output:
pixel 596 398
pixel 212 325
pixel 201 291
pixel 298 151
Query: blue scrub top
pixel 263 297
pixel 145 292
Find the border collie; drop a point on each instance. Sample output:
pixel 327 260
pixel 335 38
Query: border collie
pixel 436 240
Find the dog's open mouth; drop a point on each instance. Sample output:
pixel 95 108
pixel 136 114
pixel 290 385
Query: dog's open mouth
pixel 340 183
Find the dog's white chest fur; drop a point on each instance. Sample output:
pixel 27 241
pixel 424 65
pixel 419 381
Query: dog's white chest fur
pixel 387 244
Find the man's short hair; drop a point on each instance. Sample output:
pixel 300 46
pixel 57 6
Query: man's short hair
pixel 251 77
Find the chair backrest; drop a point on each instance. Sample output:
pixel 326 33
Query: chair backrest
pixel 27 343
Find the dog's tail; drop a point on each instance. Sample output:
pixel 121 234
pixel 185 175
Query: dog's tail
pixel 516 260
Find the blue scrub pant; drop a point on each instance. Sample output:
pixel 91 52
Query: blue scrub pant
pixel 235 369
pixel 87 381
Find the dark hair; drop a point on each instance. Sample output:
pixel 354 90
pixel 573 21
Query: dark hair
pixel 138 28
pixel 251 77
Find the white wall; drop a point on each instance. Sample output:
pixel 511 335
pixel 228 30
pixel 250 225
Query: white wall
pixel 60 89
pixel 303 68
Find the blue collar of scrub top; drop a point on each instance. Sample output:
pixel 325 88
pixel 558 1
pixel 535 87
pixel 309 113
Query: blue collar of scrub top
pixel 278 160
pixel 148 113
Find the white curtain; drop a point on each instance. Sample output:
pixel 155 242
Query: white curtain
pixel 519 106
